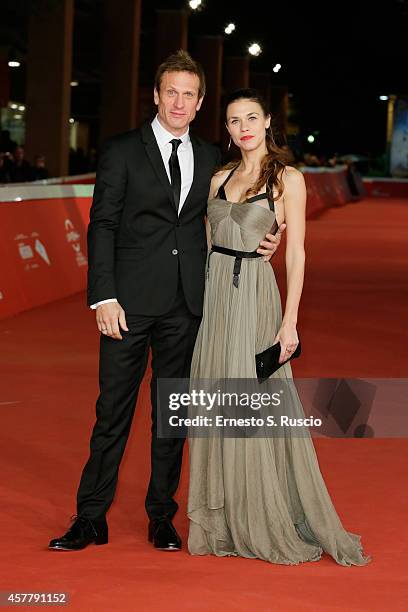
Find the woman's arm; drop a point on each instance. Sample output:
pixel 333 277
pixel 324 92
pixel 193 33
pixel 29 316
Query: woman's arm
pixel 294 198
pixel 295 214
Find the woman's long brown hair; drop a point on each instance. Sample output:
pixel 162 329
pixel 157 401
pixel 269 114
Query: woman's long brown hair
pixel 276 158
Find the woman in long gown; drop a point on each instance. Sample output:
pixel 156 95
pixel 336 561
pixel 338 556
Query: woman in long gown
pixel 257 497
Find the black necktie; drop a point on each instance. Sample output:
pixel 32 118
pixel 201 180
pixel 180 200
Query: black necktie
pixel 175 173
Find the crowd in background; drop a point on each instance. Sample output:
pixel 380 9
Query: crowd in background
pixel 14 167
pixel 310 160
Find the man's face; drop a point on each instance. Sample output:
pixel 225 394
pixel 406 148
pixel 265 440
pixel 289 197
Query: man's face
pixel 177 101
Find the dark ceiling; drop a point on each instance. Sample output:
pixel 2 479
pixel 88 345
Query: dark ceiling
pixel 336 58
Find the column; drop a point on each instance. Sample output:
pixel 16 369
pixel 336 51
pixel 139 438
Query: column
pixel 171 33
pixel 121 39
pixel 236 74
pixel 209 53
pixel 49 67
pixel 279 110
pixel 4 79
pixel 261 81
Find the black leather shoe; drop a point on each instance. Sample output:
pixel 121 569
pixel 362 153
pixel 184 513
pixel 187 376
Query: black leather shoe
pixel 82 532
pixel 163 534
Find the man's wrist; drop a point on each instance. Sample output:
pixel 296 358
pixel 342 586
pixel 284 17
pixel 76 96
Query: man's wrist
pixel 108 301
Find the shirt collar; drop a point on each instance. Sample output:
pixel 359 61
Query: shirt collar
pixel 163 136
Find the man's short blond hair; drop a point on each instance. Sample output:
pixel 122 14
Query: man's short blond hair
pixel 181 61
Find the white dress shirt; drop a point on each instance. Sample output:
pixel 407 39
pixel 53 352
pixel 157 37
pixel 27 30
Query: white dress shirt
pixel 186 161
pixel 185 156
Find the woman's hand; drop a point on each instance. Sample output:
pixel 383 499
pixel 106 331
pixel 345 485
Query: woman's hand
pixel 288 338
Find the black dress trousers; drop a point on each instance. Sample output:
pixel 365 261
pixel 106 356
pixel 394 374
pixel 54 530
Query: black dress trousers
pixel 122 365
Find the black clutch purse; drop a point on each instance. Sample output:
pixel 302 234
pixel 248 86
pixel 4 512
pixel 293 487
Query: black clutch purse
pixel 267 362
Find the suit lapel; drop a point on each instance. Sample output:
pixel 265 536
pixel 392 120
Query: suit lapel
pixel 153 153
pixel 198 168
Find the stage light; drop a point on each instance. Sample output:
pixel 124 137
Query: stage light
pixel 194 4
pixel 18 116
pixel 384 98
pixel 276 67
pixel 14 106
pixel 14 64
pixel 72 120
pixel 74 83
pixel 21 108
pixel 310 138
pixel 254 49
pixel 229 28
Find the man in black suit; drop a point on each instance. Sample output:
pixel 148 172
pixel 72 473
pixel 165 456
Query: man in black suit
pixel 147 250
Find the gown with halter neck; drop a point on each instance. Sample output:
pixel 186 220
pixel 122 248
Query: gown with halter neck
pixel 254 497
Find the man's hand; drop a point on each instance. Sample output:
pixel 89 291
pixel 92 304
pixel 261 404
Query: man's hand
pixel 109 317
pixel 271 243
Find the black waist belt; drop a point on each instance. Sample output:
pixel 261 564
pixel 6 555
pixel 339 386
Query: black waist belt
pixel 239 256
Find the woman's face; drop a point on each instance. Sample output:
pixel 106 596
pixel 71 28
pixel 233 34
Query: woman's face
pixel 246 124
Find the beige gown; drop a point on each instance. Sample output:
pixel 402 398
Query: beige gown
pixel 254 497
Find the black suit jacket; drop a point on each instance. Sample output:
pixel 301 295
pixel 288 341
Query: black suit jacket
pixel 136 240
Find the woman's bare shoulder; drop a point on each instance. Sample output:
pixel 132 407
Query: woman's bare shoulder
pixel 293 179
pixel 220 175
pixel 291 173
pixel 217 180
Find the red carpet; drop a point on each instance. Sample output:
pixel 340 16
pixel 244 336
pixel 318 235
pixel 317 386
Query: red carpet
pixel 353 323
